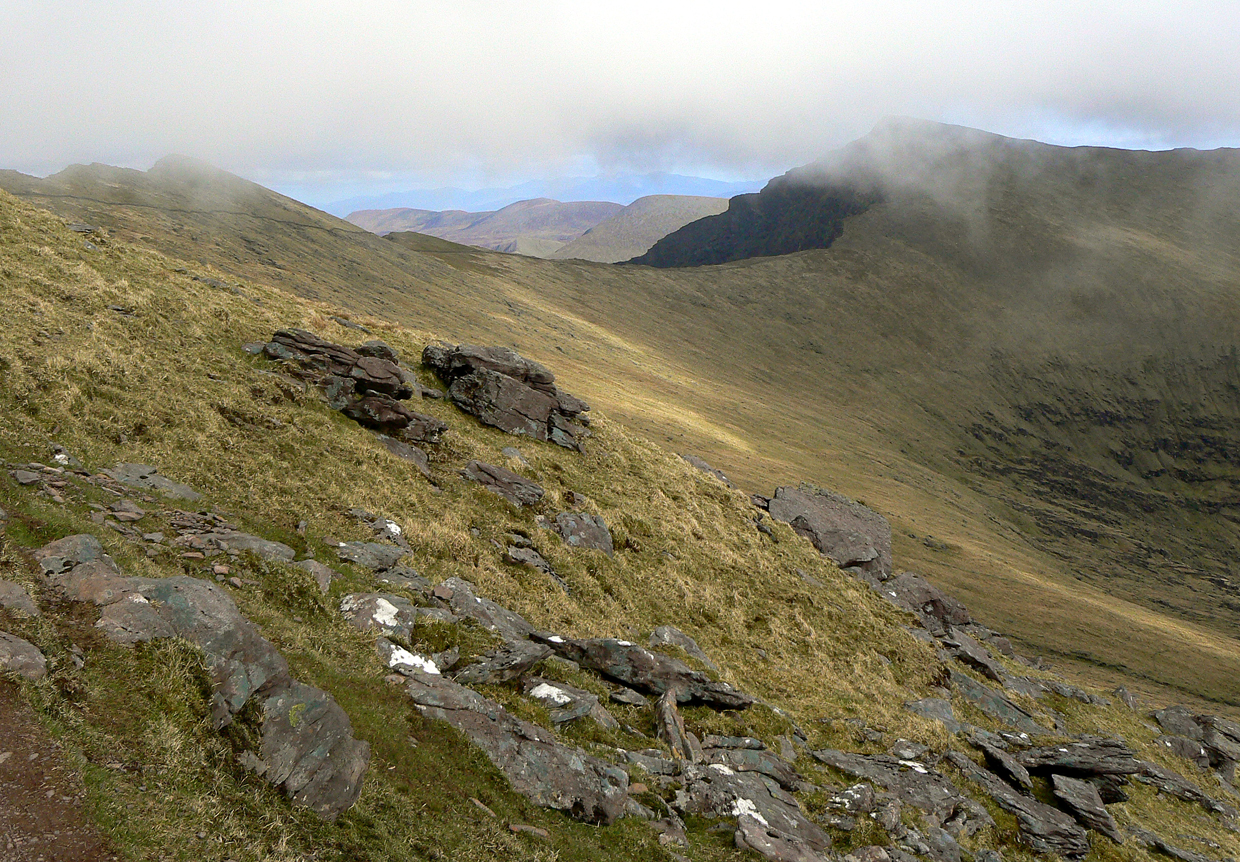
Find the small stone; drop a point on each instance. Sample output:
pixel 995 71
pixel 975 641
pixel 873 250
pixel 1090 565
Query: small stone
pixel 483 808
pixel 235 582
pixel 221 569
pixel 528 830
pixel 25 477
pixel 193 555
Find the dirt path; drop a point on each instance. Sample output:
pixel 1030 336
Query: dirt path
pixel 41 800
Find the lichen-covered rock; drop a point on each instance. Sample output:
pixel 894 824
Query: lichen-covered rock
pixel 639 668
pixel 848 533
pixel 1082 799
pixel 148 478
pixel 717 791
pixel 21 657
pixel 911 782
pixel 582 530
pixel 514 488
pixel 537 765
pixel 510 661
pixel 370 555
pixel 459 595
pixel 753 833
pixel 567 703
pixel 15 598
pixel 393 615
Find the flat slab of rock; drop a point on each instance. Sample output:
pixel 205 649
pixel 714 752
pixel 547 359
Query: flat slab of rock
pixel 14 597
pixel 307 747
pixel 148 478
pixel 407 452
pixel 911 782
pixel 754 834
pixel 753 760
pixel 567 703
pixel 370 555
pixel 510 661
pixel 262 548
pixel 582 530
pixel 64 554
pixel 460 596
pixel 996 705
pixel 717 791
pixel 939 710
pixel 969 652
pixel 514 488
pixel 21 657
pixel 537 765
pixel 639 668
pixel 1045 829
pixel 1085 757
pixel 1082 799
pixel 672 636
pixel 848 533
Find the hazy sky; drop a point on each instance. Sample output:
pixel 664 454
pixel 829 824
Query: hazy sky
pixel 338 98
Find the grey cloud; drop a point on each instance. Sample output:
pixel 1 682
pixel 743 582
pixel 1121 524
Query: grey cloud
pixel 437 90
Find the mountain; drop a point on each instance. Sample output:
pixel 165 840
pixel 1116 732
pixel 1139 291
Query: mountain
pixel 1020 355
pixel 624 188
pixel 533 227
pixel 637 227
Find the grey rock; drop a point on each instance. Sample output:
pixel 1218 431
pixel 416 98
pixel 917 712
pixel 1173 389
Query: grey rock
pixel 514 453
pixel 510 661
pixel 259 547
pixel 1180 721
pixel 848 533
pixel 672 636
pixel 21 657
pixel 639 668
pixel 905 749
pixel 938 709
pixel 1187 748
pixel 370 555
pixel 629 697
pixel 996 705
pixel 514 488
pixel 753 834
pixel 323 575
pixel 567 703
pixel 393 615
pixel 1126 698
pixel 581 530
pixel 63 554
pixel 1006 766
pixel 379 350
pixel 712 740
pixel 404 578
pixel 749 760
pixel 1090 755
pixel 1159 845
pixel 148 478
pixel 669 726
pixel 717 791
pixel 1082 799
pixel 971 653
pixel 385 414
pixel 652 761
pixel 913 593
pixel 911 782
pixel 14 597
pixel 1045 829
pixel 460 596
pixel 407 452
pixel 698 464
pixel 858 799
pixel 531 558
pixel 537 765
pixel 26 477
pixel 1174 784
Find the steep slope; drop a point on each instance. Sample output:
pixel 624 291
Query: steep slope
pixel 637 227
pixel 533 227
pixel 979 356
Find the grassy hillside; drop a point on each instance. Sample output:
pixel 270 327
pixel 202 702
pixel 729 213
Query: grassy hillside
pixel 535 227
pixel 1020 356
pixel 637 227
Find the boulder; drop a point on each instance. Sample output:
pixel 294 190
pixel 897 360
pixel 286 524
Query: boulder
pixel 913 593
pixel 393 615
pixel 911 782
pixel 1180 721
pixel 64 554
pixel 1006 766
pixel 148 478
pixel 259 547
pixel 751 760
pixel 21 657
pixel 512 487
pixel 388 416
pixel 1045 829
pixel 459 595
pixel 848 533
pixel 1090 755
pixel 672 636
pixel 1082 799
pixel 15 598
pixel 995 705
pixel 370 555
pixel 717 791
pixel 322 358
pixel 510 661
pixel 537 765
pixel 753 833
pixel 639 668
pixel 1174 784
pixel 307 747
pixel 580 530
pixel 506 391
pixel 567 703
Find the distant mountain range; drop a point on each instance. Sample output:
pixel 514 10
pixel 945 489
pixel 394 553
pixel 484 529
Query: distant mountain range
pixel 622 189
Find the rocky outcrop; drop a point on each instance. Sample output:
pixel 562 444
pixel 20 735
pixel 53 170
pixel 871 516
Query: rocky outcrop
pixel 21 657
pixel 1217 737
pixel 567 703
pixel 849 534
pixel 148 478
pixel 366 384
pixel 936 610
pixel 537 765
pixel 1089 755
pixel 674 637
pixel 1082 799
pixel 307 746
pixel 1045 829
pixel 639 668
pixel 581 530
pixel 506 391
pixel 459 596
pixel 995 704
pixel 510 661
pixel 911 782
pixel 390 614
pixel 514 488
pixel 15 598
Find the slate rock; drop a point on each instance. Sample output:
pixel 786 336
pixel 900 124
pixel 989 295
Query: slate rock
pixel 407 452
pixel 14 597
pixel 567 703
pixel 911 782
pixel 712 740
pixel 393 615
pixel 938 709
pixel 1045 829
pixel 380 350
pixel 913 593
pixel 1090 755
pixel 1189 749
pixel 537 765
pixel 450 362
pixel 529 557
pixel 699 464
pixel 370 555
pixel 969 652
pixel 716 791
pixel 148 478
pixel 1082 799
pixel 669 726
pixel 26 477
pixel 1160 845
pixel 459 595
pixel 21 657
pixel 387 415
pixel 848 533
pixel 1173 784
pixel 581 530
pixel 512 487
pixel 510 661
pixel 323 575
pixel 63 554
pixel 256 545
pixel 629 697
pixel 753 833
pixel 639 668
pixel 504 403
pixel 403 661
pixel 1006 766
pixel 1180 721
pixel 672 636
pixel 995 704
pixel 751 760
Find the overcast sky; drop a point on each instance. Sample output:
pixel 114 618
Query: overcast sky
pixel 334 99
